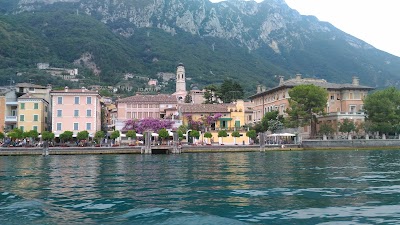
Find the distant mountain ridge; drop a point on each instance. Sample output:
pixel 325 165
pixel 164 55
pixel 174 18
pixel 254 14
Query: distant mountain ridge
pixel 244 40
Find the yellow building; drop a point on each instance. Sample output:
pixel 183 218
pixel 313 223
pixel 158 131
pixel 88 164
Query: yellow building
pixel 33 113
pixel 215 117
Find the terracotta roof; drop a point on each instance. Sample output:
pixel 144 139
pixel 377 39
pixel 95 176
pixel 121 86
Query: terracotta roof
pixel 161 98
pixel 317 82
pixel 205 108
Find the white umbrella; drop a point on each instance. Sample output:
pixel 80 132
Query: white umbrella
pixel 139 135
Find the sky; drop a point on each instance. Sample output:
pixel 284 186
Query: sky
pixel 373 21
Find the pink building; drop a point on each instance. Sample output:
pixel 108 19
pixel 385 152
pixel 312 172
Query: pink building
pixel 138 107
pixel 75 110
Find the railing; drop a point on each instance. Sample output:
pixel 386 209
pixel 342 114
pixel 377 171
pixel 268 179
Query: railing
pixel 346 113
pixel 11 118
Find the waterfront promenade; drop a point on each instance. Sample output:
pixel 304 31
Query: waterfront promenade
pixel 137 149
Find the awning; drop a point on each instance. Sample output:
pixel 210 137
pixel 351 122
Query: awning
pixel 225 119
pixel 281 135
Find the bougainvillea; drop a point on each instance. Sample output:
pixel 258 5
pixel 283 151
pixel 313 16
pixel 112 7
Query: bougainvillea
pixel 147 124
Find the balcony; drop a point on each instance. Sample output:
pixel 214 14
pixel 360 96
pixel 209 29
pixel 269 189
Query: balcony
pixel 11 119
pixel 11 103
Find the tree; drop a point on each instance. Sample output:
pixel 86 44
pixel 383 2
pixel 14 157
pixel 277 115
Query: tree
pixel 2 136
pixel 147 124
pixel 163 134
pixel 230 91
pixel 82 135
pixel 210 94
pixel 347 126
pixel 115 134
pixel 188 98
pixel 326 129
pixel 15 134
pixel 195 134
pixel 252 134
pixel 98 136
pixel 66 136
pixel 131 134
pixel 222 134
pixel 208 135
pixel 235 134
pixel 382 110
pixel 33 134
pixel 47 135
pixel 305 104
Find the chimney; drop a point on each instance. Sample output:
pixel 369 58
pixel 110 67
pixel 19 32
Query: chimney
pixel 83 89
pixel 66 89
pixel 49 86
pixel 263 88
pixel 281 80
pixel 258 88
pixel 298 76
pixel 356 81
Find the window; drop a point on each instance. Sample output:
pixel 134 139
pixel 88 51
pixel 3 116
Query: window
pixel 45 109
pixel 35 128
pixel 76 126
pixel 76 113
pixel 22 105
pixel 59 113
pixel 35 118
pixel 21 117
pixel 21 128
pixel 88 126
pixel 36 106
pixel 76 101
pixel 59 100
pixel 59 126
pixel 88 100
pixel 31 89
pixel 332 97
pixel 89 113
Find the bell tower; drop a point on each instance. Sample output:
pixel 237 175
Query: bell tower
pixel 180 78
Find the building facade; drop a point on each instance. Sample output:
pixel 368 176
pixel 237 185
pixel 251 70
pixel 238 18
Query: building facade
pixel 33 113
pixel 144 106
pixel 75 110
pixel 344 100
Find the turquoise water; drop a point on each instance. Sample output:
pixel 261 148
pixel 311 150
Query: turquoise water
pixel 290 187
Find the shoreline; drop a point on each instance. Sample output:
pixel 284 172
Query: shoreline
pixel 21 151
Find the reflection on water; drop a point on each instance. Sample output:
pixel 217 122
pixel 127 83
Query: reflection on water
pixel 296 187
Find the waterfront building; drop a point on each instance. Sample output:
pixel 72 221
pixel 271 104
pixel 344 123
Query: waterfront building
pixel 33 113
pixel 231 117
pixel 8 109
pixel 344 100
pixel 139 106
pixel 75 110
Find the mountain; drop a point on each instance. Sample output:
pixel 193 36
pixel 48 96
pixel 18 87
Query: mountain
pixel 243 40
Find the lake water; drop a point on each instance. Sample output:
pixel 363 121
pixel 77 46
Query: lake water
pixel 287 187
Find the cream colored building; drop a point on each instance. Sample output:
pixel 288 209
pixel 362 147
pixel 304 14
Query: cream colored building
pixel 344 100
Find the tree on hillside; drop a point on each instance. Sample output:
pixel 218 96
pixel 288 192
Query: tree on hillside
pixel 230 91
pixel 383 111
pixel 305 104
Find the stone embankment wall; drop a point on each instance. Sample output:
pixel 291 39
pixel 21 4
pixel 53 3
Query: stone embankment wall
pixel 355 143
